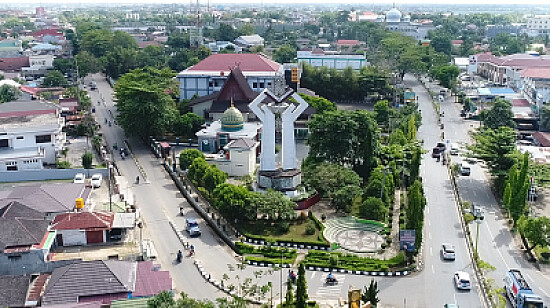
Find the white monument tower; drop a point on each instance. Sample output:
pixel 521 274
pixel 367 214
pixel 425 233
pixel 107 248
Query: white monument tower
pixel 288 176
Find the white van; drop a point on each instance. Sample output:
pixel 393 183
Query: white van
pixel 464 169
pixel 454 149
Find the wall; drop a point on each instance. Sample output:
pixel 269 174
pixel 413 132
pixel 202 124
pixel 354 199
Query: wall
pixel 30 263
pixel 47 174
pixel 73 237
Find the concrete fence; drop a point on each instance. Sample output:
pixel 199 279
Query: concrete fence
pixel 47 174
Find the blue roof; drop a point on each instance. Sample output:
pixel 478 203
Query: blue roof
pixel 495 91
pixel 45 47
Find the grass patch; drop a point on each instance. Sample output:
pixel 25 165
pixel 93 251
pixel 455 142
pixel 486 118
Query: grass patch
pixel 284 231
pixel 353 262
pixel 267 254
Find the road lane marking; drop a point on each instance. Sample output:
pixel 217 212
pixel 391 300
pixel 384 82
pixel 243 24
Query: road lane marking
pixel 543 291
pixel 433 270
pixel 431 252
pixel 429 224
pixel 430 235
pixel 313 274
pixel 498 250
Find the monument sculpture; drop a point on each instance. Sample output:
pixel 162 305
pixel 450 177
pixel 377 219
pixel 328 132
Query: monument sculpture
pixel 287 176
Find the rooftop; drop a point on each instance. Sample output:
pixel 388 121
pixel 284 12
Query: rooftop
pixel 221 64
pixel 249 130
pixel 46 121
pixel 21 153
pixel 83 221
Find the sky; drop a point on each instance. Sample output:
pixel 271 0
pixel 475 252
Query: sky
pixel 377 2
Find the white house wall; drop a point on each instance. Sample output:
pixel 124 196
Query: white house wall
pixel 73 237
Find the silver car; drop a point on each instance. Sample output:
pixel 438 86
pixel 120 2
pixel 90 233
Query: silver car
pixel 448 252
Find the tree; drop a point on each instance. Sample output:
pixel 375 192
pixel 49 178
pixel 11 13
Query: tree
pixel 284 54
pixel 87 63
pixel 164 299
pixel 187 125
pixel 382 112
pixel 119 61
pixel 373 208
pixel 54 79
pixel 97 42
pixel 320 104
pixel 63 65
pixel 188 156
pixel 328 178
pixel 151 55
pixel 213 177
pixel 246 29
pixel 231 199
pixel 87 160
pixel 446 74
pixel 343 198
pixel 411 129
pixel 301 288
pixel 535 230
pixel 289 297
pixel 545 117
pixel 9 93
pixel 441 42
pixel 499 115
pixel 226 32
pixel 178 40
pixel 495 147
pixel 197 170
pixel 370 294
pixel 415 211
pixel 516 189
pixel 145 109
pixel 272 205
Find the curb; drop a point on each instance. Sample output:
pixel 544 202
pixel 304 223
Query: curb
pixel 220 285
pixel 178 233
pixel 286 244
pixel 363 273
pixel 264 264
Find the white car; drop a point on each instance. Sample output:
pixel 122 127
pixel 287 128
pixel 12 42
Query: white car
pixel 462 281
pixel 96 180
pixel 79 178
pixel 448 252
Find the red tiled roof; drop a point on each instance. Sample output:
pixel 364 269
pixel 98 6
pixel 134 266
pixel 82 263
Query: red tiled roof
pixel 246 62
pixel 348 42
pixel 13 64
pixel 148 43
pixel 83 220
pixel 149 281
pixel 317 51
pixel 457 42
pixel 520 102
pixel 536 72
pixel 68 102
pixel 542 138
pixel 53 32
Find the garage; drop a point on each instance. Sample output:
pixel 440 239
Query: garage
pixel 94 237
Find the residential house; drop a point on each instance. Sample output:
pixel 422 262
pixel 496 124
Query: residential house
pixel 505 70
pixel 40 65
pixel 49 36
pixel 13 65
pixel 47 49
pixel 50 199
pixel 30 135
pixel 11 48
pixel 69 106
pixel 209 75
pixel 25 240
pixel 13 291
pixel 535 85
pixel 247 41
pixel 82 228
pixel 104 281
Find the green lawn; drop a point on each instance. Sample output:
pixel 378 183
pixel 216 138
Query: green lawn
pixel 274 231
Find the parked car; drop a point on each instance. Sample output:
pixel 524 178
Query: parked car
pixel 192 227
pixel 79 178
pixel 464 169
pixel 454 149
pixel 96 180
pixel 462 280
pixel 448 252
pixel 92 85
pixel 441 146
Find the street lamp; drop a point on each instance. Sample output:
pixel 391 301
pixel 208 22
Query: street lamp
pixel 478 218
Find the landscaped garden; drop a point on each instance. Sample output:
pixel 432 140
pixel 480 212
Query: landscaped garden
pixel 337 260
pixel 267 254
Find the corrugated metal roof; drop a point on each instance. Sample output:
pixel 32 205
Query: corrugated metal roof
pixel 246 62
pixel 83 221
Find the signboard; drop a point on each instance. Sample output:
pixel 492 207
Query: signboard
pixel 407 240
pixel 410 96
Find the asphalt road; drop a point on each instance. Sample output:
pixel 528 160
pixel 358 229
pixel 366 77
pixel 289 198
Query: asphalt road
pixel 496 244
pixel 432 287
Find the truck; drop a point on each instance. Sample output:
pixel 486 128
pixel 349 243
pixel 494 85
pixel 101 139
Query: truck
pixel 519 293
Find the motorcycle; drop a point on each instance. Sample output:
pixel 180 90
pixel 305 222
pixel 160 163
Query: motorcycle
pixel 331 280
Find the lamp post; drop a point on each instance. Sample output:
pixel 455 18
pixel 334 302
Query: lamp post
pixel 281 280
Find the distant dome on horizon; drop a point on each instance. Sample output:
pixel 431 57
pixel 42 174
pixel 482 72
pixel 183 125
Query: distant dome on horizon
pixel 393 15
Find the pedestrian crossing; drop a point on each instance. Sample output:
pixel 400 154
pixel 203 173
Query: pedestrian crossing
pixel 328 291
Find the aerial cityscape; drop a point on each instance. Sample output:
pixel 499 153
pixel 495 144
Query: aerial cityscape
pixel 244 154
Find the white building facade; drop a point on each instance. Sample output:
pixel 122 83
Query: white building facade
pixel 30 139
pixel 538 25
pixel 336 61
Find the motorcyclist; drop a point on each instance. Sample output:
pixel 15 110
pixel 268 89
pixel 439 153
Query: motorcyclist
pixel 137 179
pixel 179 255
pixel 292 276
pixel 191 250
pixel 330 277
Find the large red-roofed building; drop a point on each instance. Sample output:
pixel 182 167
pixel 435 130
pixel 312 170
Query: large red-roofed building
pixel 209 75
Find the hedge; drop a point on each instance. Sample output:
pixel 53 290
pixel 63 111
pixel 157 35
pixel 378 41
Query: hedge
pixel 266 251
pixel 352 262
pixel 269 260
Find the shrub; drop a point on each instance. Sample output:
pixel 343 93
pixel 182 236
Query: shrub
pixel 87 160
pixel 284 226
pixel 333 260
pixel 63 164
pixel 323 217
pixel 311 228
pixel 468 218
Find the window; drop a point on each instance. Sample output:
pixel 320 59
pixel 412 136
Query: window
pixel 14 258
pixel 20 137
pixel 43 138
pixel 11 166
pixel 261 85
pixel 255 85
